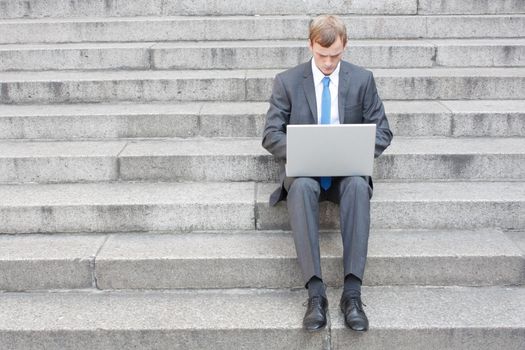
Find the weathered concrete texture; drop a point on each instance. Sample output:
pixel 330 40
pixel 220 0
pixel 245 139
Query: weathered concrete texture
pixel 75 56
pixel 436 318
pixel 424 205
pixel 100 121
pixel 268 7
pixel 401 317
pixel 489 118
pixel 87 29
pixel 423 83
pixel 480 53
pixel 221 320
pixel 245 160
pixel 260 54
pixel 215 260
pixel 125 207
pixel 47 261
pixel 247 85
pixel 101 8
pixel 59 161
pixel 286 54
pixel 457 158
pixel 518 237
pixel 68 8
pixel 450 83
pixel 253 28
pixel 198 160
pixel 494 118
pixel 69 87
pixel 233 119
pixel 470 6
pixel 475 26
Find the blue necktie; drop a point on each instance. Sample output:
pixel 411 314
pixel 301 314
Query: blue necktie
pixel 325 119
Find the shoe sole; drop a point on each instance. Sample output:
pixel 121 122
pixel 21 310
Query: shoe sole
pixel 314 330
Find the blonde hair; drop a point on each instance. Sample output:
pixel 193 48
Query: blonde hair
pixel 325 29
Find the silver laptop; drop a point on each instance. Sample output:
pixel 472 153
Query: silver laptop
pixel 330 150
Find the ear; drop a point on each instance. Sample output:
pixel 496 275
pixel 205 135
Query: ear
pixel 310 45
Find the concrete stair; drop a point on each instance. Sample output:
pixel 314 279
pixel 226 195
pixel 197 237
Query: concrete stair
pixel 458 118
pixel 270 27
pixel 63 8
pixel 204 260
pixel 247 85
pixel 260 54
pixel 188 206
pixel 134 191
pixel 404 317
pixel 243 159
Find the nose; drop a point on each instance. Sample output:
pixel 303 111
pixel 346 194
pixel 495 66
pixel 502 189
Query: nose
pixel 329 62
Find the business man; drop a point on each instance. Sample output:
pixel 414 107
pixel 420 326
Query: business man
pixel 327 90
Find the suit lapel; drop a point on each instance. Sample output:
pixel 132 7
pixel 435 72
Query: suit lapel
pixel 344 85
pixel 309 90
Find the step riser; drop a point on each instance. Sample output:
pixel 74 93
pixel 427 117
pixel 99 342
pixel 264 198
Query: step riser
pixel 249 125
pixel 227 216
pixel 67 169
pixel 135 90
pixel 260 28
pixel 468 339
pixel 99 8
pixel 238 273
pixel 81 59
pixel 123 218
pixel 470 7
pixel 480 56
pixel 454 338
pixel 228 260
pixel 247 168
pixel 45 275
pixel 151 339
pixel 264 168
pixel 250 89
pixel 404 215
pixel 457 124
pixel 256 58
pixel 285 273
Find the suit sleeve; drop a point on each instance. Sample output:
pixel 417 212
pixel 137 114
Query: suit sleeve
pixel 374 112
pixel 277 117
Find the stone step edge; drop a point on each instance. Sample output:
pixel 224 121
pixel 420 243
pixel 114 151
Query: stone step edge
pixel 89 19
pixel 108 75
pixel 246 160
pixel 103 261
pixel 465 316
pixel 138 207
pixel 240 107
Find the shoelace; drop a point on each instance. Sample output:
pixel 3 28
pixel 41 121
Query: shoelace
pixel 358 305
pixel 310 302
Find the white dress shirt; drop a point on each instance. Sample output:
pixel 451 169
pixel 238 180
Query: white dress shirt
pixel 334 84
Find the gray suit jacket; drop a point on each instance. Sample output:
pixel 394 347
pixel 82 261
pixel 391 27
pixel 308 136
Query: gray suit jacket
pixel 293 102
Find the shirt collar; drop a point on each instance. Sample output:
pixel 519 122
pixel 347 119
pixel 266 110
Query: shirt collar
pixel 318 75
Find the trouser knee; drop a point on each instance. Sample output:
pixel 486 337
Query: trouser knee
pixel 305 185
pixel 355 184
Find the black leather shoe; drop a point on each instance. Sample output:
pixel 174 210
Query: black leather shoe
pixel 355 317
pixel 315 316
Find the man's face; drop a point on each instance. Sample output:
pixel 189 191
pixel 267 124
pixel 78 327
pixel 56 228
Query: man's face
pixel 327 58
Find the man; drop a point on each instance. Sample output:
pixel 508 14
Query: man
pixel 327 90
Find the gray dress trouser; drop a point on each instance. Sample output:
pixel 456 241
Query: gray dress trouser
pixel 353 194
